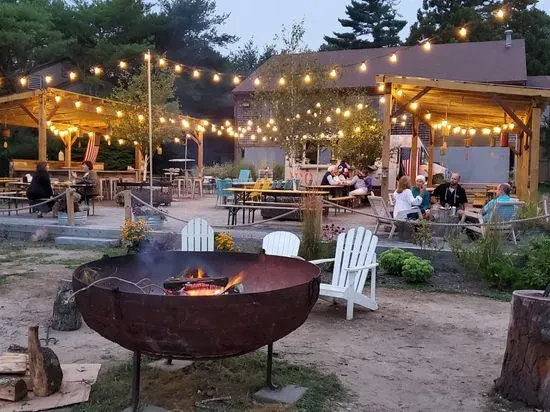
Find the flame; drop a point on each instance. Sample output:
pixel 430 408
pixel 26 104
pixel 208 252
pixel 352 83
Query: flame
pixel 233 282
pixel 203 289
pixel 200 273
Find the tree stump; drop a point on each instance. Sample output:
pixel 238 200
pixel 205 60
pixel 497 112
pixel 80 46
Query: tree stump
pixel 44 366
pixel 13 389
pixel 525 372
pixel 66 316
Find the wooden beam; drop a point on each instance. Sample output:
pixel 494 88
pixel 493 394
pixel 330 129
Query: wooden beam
pixel 200 153
pixel 431 158
pixel 386 144
pixel 534 155
pixel 511 113
pixel 20 96
pixel 42 131
pixel 414 99
pixel 53 112
pixel 464 86
pixel 414 147
pixel 29 113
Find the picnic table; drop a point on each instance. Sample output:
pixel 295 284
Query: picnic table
pixel 242 196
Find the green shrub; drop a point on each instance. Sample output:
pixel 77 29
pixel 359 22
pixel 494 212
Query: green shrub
pixel 534 261
pixel 278 172
pixel 392 261
pixel 416 270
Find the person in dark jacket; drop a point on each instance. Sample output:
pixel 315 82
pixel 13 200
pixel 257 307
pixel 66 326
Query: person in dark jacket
pixel 90 179
pixel 452 194
pixel 41 188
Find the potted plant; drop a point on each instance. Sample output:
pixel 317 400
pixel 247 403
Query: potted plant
pixel 152 217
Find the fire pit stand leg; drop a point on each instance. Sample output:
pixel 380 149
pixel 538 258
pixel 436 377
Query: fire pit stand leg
pixel 135 381
pixel 269 380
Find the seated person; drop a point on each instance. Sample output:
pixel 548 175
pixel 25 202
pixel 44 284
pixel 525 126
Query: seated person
pixel 405 201
pixel 504 213
pixel 452 194
pixel 90 179
pixel 331 177
pixel 343 169
pixel 41 188
pixel 421 186
pixel 359 184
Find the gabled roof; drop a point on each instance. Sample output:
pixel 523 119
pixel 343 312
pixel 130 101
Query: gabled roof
pixel 539 81
pixel 490 62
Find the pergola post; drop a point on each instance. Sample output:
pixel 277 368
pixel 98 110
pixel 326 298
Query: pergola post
pixel 431 158
pixel 386 144
pixel 522 179
pixel 200 153
pixel 414 147
pixel 138 158
pixel 42 129
pixel 534 155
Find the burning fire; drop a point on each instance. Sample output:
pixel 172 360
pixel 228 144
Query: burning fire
pixel 207 289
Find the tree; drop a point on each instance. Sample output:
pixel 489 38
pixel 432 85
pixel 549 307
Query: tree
pixel 133 126
pixel 373 23
pixel 248 57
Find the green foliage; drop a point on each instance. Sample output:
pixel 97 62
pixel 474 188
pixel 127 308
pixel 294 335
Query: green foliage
pixel 392 261
pixel 373 23
pixel 534 259
pixel 416 270
pixel 278 172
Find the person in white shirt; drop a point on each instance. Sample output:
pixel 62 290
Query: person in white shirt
pixel 331 177
pixel 405 201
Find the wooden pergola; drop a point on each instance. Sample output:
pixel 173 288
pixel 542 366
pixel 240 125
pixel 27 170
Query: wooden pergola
pixel 482 109
pixel 62 109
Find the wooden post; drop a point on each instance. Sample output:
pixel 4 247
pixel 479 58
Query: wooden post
pixel 524 170
pixel 431 158
pixel 200 154
pixel 386 144
pixel 414 147
pixel 138 161
pixel 517 163
pixel 70 206
pixel 127 205
pixel 42 129
pixel 534 155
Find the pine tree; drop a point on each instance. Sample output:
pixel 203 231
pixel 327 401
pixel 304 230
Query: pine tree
pixel 373 23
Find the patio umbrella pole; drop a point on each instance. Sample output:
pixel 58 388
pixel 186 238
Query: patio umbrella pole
pixel 150 128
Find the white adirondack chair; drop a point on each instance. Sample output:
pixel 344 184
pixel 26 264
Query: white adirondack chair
pixel 355 258
pixel 281 244
pixel 197 236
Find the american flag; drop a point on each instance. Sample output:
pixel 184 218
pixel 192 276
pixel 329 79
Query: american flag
pixel 406 162
pixel 93 148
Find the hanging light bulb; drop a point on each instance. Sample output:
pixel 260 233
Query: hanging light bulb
pixel 403 124
pixel 357 129
pixel 23 81
pixel 185 123
pixel 500 13
pixel 360 106
pixel 219 132
pixel 381 87
pixel 162 120
pixel 257 81
pixel 486 131
pixel 497 129
pixel 333 74
pixel 141 118
pixel 307 79
pixel 393 58
pixel 73 76
pixel 399 92
pixel 97 70
pixel 328 119
pixel 99 109
pixel 472 131
pixel 382 99
pixel 463 32
pixel 253 137
pixel 363 67
pixel 57 99
pixel 48 79
pixel 463 132
pixel 178 68
pixel 404 117
pixel 275 129
pixel 216 78
pixel 394 120
pixel 162 62
pixel 298 116
pixel 456 130
pixel 282 81
pixel 264 139
pixel 511 126
pixel 271 121
pixel 123 65
pixel 428 116
pixel 340 133
pixel 119 113
pixel 176 139
pixel 120 142
pixel 196 74
pixel 427 45
pixel 236 80
pixel 318 105
pixel 147 56
pixel 78 104
pixel 414 105
pixel 347 114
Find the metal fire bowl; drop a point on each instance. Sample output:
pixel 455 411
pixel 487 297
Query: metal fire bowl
pixel 278 296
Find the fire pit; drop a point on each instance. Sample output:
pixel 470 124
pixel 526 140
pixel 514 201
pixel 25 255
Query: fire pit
pixel 191 305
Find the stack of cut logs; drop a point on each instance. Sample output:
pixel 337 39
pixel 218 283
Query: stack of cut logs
pixel 33 369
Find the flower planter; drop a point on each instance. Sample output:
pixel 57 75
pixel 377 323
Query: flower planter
pixel 154 222
pixel 80 218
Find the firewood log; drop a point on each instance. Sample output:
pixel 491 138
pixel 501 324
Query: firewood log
pixel 12 389
pixel 45 369
pixel 13 363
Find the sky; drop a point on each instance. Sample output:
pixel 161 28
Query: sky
pixel 262 19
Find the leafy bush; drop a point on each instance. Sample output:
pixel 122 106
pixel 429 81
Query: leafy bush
pixel 535 272
pixel 416 270
pixel 278 172
pixel 392 261
pixel 221 171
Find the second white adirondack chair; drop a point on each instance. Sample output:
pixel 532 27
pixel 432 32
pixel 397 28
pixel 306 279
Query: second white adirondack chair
pixel 281 244
pixel 197 236
pixel 355 258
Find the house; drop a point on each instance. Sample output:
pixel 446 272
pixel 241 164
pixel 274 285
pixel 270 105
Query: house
pixel 498 62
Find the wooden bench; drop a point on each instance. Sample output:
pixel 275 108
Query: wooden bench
pixel 13 198
pixel 347 201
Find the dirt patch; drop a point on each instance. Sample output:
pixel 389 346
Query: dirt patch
pixel 418 352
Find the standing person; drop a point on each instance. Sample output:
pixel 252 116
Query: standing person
pixel 405 201
pixel 40 188
pixel 452 194
pixel 343 169
pixel 89 178
pixel 421 187
pixel 331 177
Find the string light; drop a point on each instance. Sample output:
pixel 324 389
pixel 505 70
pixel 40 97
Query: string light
pixel 57 99
pixel 463 132
pixel 307 79
pixel 347 114
pixel 219 133
pixel 394 120
pixel 178 68
pixel 381 87
pixel 257 81
pixel 147 56
pixel 414 105
pixel 472 132
pixel 456 130
pixel 427 46
pixel 328 119
pixel 338 110
pixel 403 124
pixel 333 74
pixel 497 129
pixel 318 105
pixel 48 79
pixel 162 62
pixel 360 106
pixel 363 67
pixel 119 113
pixel 236 80
pixel 428 116
pixel 196 74
pixel 135 143
pixel 185 124
pixel 162 120
pixel 120 142
pixel 123 65
pixel 97 70
pixel 357 129
pixel 500 13
pixel 216 78
pixel 23 81
pixel 78 104
pixel 486 131
pixel 253 137
pixel 399 92
pixel 275 129
pixel 340 133
pixel 176 139
pixel 393 58
pixel 382 99
pixel 282 81
pixel 73 76
pixel 463 32
pixel 99 109
pixel 141 118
